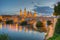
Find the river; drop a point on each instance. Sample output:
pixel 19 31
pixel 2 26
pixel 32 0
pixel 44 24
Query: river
pixel 21 33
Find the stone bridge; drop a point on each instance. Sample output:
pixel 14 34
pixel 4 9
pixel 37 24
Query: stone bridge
pixel 50 28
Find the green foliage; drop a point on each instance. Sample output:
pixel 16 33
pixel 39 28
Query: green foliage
pixel 55 37
pixel 49 22
pixel 24 23
pixel 57 9
pixel 39 24
pixel 58 38
pixel 4 37
pixel 57 29
pixel 9 22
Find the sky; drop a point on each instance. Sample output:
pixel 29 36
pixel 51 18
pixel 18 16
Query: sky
pixel 12 7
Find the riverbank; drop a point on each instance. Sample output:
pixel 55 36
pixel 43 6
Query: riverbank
pixel 4 37
pixel 56 35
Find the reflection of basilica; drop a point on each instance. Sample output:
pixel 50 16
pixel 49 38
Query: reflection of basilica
pixel 15 27
pixel 0 26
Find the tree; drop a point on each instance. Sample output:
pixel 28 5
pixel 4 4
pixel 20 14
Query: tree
pixel 56 35
pixel 24 23
pixel 39 24
pixel 4 37
pixel 49 23
pixel 57 29
pixel 57 12
pixel 57 9
pixel 9 22
pixel 40 27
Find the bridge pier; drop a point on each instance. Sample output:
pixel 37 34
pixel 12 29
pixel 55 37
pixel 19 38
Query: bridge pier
pixel 51 29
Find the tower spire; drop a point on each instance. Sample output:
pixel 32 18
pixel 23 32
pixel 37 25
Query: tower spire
pixel 20 12
pixel 35 14
pixel 25 13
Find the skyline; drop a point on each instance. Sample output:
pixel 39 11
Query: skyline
pixel 12 7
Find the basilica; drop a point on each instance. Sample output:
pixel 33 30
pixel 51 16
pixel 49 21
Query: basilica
pixel 23 16
pixel 28 14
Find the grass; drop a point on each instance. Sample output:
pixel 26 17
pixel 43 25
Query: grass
pixel 4 37
pixel 56 35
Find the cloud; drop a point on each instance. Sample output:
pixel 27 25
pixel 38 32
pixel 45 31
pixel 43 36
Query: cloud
pixel 43 9
pixel 49 3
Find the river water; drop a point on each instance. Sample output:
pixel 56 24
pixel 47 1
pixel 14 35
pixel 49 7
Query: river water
pixel 21 33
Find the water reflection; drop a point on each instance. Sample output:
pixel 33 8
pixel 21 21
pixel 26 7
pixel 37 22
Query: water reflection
pixel 15 27
pixel 0 26
pixel 21 32
pixel 20 28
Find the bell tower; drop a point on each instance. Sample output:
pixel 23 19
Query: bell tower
pixel 35 14
pixel 20 12
pixel 29 14
pixel 25 13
